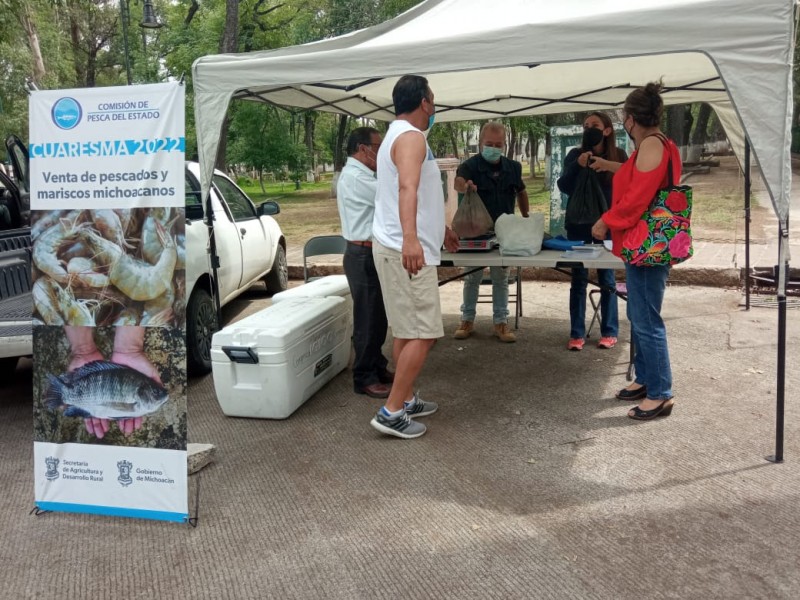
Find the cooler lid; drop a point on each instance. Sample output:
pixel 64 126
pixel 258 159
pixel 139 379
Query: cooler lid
pixel 330 285
pixel 280 325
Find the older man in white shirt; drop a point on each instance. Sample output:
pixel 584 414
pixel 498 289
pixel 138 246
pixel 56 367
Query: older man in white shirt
pixel 355 193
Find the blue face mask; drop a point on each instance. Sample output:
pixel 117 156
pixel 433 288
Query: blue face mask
pixel 491 154
pixel 431 119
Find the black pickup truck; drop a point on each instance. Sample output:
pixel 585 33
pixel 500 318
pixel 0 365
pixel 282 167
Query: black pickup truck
pixel 15 260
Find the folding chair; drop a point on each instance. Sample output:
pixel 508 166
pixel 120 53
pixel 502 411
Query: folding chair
pixel 594 300
pixel 515 296
pixel 322 245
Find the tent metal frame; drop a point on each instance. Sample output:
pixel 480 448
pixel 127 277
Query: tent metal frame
pixel 538 102
pixel 781 269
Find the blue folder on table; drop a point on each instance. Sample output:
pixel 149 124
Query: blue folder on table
pixel 560 243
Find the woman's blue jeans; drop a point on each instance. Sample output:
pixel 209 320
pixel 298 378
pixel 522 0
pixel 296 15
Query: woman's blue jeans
pixel 646 287
pixel 609 317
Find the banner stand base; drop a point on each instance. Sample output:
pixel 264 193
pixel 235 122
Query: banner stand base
pixel 193 520
pixel 36 511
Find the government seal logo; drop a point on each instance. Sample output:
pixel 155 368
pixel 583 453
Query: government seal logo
pixel 66 113
pixel 52 468
pixel 125 467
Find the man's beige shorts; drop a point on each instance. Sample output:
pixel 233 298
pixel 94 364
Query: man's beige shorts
pixel 412 305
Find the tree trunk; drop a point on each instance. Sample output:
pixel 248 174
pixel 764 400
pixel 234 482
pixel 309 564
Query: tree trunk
pixel 339 157
pixel 533 145
pixel 227 44
pixel 33 44
pixel 699 136
pixel 75 39
pixel 261 180
pixel 512 140
pixel 453 131
pixel 309 121
pixel 91 68
pixel 688 119
pixel 675 123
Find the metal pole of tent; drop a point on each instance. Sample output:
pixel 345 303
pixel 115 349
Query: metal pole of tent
pixel 781 274
pixel 746 224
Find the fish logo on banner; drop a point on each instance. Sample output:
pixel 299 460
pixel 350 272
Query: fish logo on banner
pixel 66 113
pixel 52 468
pixel 125 478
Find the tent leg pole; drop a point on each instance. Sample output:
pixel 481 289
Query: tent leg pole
pixel 779 404
pixel 746 224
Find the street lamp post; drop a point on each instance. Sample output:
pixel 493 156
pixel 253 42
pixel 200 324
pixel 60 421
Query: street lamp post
pixel 149 21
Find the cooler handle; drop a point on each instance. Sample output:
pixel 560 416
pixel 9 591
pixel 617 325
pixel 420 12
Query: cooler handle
pixel 241 354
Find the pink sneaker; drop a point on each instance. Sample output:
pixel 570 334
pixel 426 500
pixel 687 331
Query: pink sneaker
pixel 575 344
pixel 607 342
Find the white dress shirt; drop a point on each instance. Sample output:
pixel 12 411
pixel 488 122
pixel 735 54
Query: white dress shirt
pixel 355 195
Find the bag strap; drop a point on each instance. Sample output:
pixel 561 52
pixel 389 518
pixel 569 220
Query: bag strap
pixel 663 139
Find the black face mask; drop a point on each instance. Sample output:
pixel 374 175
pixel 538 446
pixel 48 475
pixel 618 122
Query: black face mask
pixel 630 132
pixel 592 137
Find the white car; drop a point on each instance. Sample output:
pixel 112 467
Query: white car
pixel 250 247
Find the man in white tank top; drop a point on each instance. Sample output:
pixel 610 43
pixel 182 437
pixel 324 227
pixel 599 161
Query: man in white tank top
pixel 408 231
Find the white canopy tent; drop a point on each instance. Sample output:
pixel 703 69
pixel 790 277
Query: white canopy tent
pixel 521 57
pixel 497 58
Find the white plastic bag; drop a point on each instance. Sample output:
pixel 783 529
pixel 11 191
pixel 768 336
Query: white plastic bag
pixel 520 236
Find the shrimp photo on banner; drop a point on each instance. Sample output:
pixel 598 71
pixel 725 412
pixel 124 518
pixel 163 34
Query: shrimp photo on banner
pixel 109 267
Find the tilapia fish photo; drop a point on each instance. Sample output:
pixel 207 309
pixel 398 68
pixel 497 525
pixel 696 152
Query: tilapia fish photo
pixel 126 383
pixel 104 390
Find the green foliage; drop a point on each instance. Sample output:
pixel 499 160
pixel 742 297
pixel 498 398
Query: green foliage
pixel 260 138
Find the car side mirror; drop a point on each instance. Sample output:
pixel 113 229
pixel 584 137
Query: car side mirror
pixel 194 212
pixel 268 208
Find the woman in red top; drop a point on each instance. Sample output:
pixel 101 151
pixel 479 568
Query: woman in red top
pixel 634 187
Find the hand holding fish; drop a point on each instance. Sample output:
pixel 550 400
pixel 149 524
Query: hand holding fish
pixel 128 352
pixel 140 362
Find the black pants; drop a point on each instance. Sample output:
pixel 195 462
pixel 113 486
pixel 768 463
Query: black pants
pixel 369 315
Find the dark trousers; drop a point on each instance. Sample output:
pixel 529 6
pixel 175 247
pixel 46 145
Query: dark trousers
pixel 609 317
pixel 369 315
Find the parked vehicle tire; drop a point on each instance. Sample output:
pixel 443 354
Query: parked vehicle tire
pixel 201 323
pixel 8 366
pixel 277 279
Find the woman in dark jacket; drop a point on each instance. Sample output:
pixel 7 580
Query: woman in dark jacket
pixel 598 151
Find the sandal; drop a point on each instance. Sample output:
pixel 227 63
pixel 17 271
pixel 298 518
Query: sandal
pixel 637 394
pixel 662 410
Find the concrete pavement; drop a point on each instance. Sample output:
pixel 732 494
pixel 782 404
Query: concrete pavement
pixel 530 483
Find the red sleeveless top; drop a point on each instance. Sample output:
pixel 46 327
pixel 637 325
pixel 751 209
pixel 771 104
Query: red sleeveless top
pixel 633 190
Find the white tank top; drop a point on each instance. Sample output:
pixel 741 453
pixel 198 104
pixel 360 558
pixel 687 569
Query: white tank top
pixel 386 228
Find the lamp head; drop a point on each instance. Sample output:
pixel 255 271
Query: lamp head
pixel 149 20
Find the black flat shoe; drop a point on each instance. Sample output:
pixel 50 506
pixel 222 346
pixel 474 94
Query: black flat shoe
pixel 662 410
pixel 626 394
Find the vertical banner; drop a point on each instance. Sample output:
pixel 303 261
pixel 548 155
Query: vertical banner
pixel 109 382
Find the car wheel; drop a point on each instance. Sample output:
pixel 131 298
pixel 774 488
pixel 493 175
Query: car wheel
pixel 277 279
pixel 201 323
pixel 8 366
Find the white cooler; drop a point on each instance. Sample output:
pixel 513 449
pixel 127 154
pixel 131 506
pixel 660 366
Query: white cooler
pixel 330 285
pixel 268 364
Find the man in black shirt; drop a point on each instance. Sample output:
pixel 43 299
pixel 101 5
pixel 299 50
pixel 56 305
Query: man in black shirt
pixel 498 181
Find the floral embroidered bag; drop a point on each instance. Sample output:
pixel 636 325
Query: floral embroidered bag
pixel 663 236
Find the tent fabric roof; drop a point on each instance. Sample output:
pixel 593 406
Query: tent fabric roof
pixel 523 57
